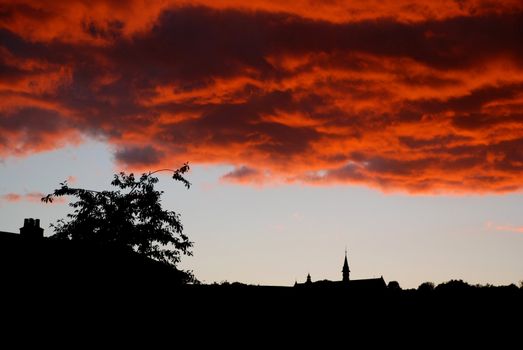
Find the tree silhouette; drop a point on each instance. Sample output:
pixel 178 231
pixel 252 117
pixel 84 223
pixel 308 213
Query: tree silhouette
pixel 426 287
pixel 394 286
pixel 130 217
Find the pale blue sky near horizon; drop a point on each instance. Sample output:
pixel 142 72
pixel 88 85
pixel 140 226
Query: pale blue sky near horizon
pixel 275 235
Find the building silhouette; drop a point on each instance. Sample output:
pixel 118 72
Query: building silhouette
pixel 30 231
pixel 308 280
pixel 30 258
pixel 345 271
pixel 368 284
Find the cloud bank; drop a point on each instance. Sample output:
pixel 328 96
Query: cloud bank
pixel 388 94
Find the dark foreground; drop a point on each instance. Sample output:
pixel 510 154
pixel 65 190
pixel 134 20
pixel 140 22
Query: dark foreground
pixel 80 289
pixel 268 315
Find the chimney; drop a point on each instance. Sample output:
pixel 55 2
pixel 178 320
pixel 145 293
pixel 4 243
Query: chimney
pixel 32 229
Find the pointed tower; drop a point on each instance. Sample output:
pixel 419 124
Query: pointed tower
pixel 345 271
pixel 308 281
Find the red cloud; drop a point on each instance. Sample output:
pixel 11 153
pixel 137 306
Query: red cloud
pixel 398 96
pixel 71 179
pixel 12 197
pixel 508 228
pixel 34 197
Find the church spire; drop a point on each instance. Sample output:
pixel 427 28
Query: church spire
pixel 345 271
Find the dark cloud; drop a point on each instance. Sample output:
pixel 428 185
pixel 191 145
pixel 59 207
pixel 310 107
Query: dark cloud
pixel 433 142
pixel 196 43
pixel 30 128
pixel 230 124
pixel 242 174
pixel 32 119
pixel 138 156
pixel 472 102
pixel 108 30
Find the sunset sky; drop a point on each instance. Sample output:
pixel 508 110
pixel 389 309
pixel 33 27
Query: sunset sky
pixel 391 127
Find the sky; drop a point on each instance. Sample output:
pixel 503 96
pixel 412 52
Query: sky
pixel 392 128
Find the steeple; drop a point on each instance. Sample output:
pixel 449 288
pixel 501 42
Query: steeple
pixel 345 271
pixel 308 281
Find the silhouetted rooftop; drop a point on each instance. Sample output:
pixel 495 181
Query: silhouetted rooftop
pixel 26 260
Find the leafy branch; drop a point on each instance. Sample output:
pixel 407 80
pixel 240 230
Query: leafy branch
pixel 130 216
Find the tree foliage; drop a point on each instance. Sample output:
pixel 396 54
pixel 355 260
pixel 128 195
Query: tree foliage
pixel 130 216
pixel 426 287
pixel 394 285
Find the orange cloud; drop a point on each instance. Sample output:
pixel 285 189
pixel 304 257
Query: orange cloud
pixel 99 22
pixel 397 95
